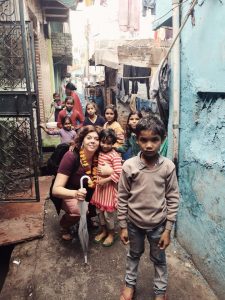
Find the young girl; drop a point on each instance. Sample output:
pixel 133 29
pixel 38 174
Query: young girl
pixel 105 195
pixel 91 116
pixel 111 116
pixel 130 147
pixel 67 134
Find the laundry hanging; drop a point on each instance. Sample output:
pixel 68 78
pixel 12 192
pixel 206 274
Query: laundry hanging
pixel 148 4
pixel 129 15
pixel 136 74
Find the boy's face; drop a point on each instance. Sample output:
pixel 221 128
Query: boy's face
pixel 149 143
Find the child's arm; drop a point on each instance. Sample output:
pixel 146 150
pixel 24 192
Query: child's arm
pixel 50 132
pixel 117 168
pixel 120 135
pixel 124 148
pixel 122 208
pixel 172 200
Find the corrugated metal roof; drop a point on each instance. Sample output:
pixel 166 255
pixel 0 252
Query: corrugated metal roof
pixel 72 4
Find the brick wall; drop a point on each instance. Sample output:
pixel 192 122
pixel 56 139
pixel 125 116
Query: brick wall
pixel 62 46
pixel 42 59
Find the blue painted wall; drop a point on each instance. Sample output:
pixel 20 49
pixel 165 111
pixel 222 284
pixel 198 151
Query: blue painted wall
pixel 201 219
pixel 163 13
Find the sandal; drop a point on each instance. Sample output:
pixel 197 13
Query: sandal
pixel 131 294
pixel 111 243
pixel 99 241
pixel 66 236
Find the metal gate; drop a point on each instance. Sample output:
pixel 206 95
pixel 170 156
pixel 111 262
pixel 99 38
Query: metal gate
pixel 20 142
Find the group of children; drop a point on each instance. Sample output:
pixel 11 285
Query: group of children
pixel 143 192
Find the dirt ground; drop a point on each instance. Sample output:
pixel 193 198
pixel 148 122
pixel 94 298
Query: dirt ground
pixel 52 269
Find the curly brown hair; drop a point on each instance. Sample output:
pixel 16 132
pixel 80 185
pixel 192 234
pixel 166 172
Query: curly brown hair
pixel 85 130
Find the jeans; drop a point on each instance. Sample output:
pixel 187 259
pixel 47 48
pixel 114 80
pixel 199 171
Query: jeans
pixel 157 256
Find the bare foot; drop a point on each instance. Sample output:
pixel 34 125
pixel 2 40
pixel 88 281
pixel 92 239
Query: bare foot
pixel 127 293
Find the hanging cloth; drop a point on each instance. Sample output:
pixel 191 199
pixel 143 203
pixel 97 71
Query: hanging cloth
pixel 129 15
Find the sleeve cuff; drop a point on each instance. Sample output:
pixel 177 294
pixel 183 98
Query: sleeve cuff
pixel 169 225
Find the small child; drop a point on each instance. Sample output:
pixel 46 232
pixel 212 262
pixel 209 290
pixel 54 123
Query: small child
pixel 147 206
pixel 92 117
pixel 91 96
pixel 99 100
pixel 67 134
pixel 111 116
pixel 71 111
pixel 105 195
pixel 130 147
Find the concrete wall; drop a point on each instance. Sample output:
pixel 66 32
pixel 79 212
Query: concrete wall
pixel 201 220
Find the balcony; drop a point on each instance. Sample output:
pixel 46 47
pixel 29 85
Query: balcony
pixel 62 48
pixel 58 11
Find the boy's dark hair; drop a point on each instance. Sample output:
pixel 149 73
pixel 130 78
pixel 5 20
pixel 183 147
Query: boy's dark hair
pixel 152 123
pixel 108 135
pixel 113 108
pixel 128 127
pixel 64 119
pixel 69 98
pixel 70 86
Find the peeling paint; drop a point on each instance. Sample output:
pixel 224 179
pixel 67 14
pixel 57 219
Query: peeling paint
pixel 201 219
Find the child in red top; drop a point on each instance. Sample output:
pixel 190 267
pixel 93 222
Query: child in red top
pixel 105 195
pixel 70 112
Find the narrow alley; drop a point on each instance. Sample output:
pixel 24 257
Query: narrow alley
pixel 52 269
pixel 114 110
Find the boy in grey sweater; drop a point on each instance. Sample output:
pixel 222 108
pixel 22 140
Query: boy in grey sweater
pixel 147 206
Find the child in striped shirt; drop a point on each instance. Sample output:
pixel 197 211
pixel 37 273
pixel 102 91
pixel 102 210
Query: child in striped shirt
pixel 105 195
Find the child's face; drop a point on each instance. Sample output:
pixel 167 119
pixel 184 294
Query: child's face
pixel 149 143
pixel 91 111
pixel 69 105
pixel 67 125
pixel 133 121
pixel 106 145
pixel 109 115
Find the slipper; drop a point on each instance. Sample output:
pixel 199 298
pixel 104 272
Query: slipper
pixel 123 297
pixel 67 237
pixel 99 241
pixel 110 244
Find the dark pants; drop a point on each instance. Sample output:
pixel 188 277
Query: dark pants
pixel 157 256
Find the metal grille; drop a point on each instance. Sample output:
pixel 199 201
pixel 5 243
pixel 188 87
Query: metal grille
pixel 19 157
pixel 17 160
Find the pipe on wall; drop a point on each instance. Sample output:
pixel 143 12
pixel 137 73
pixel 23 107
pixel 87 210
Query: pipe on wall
pixel 176 80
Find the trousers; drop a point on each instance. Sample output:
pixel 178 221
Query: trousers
pixel 106 219
pixel 157 256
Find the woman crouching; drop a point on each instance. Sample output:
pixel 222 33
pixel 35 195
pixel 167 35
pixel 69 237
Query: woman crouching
pixel 82 161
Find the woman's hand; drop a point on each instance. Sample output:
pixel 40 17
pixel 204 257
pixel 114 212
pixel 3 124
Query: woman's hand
pixel 81 194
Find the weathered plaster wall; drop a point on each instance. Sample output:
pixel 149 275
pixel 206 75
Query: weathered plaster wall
pixel 201 220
